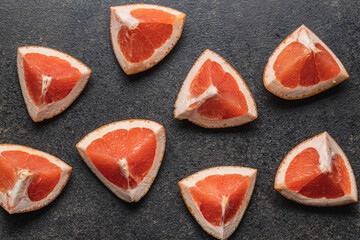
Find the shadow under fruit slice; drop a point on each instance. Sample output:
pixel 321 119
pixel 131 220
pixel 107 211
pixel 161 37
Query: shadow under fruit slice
pixel 218 197
pixel 317 173
pixel 214 95
pixel 125 156
pixel 302 66
pixel 143 34
pixel 29 179
pixel 50 80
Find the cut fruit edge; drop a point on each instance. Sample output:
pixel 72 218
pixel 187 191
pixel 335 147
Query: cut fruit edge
pixel 274 86
pixel 220 232
pixel 128 195
pixel 322 143
pixel 182 102
pixel 120 15
pixel 25 204
pixel 46 111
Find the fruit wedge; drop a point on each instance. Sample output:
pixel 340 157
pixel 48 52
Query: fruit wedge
pixel 143 34
pixel 317 173
pixel 218 197
pixel 50 80
pixel 125 156
pixel 214 95
pixel 29 179
pixel 302 66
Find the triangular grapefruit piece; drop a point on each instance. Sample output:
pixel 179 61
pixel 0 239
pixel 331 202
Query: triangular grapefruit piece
pixel 143 34
pixel 214 95
pixel 125 156
pixel 50 80
pixel 29 179
pixel 302 66
pixel 317 173
pixel 218 197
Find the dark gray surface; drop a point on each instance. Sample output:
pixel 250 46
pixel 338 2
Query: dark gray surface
pixel 245 33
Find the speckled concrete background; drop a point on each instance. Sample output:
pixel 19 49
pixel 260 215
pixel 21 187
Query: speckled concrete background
pixel 245 33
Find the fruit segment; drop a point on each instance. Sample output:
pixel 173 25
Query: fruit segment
pixel 229 102
pixel 153 30
pixel 45 175
pixel 296 65
pixel 50 80
pixel 304 176
pixel 302 66
pixel 214 95
pixel 29 179
pixel 125 156
pixel 317 173
pixel 143 34
pixel 218 197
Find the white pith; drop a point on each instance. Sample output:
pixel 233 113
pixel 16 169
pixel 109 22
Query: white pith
pixel 120 16
pixel 16 199
pixel 129 195
pixel 326 148
pixel 46 82
pixel 308 39
pixel 184 99
pixel 124 167
pixel 45 111
pixel 224 231
pixel 209 93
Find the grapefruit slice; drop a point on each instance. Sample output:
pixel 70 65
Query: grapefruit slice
pixel 317 173
pixel 214 95
pixel 29 179
pixel 143 34
pixel 125 156
pixel 50 80
pixel 218 197
pixel 302 66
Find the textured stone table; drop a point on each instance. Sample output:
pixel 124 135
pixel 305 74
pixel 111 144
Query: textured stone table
pixel 245 33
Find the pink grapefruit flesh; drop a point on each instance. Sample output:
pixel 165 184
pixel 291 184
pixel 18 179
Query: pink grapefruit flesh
pixel 229 103
pixel 154 29
pixel 46 174
pixel 64 77
pixel 304 176
pixel 210 192
pixel 296 65
pixel 136 145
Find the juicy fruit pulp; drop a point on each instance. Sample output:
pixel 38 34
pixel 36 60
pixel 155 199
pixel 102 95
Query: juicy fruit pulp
pixel 297 65
pixel 304 176
pixel 154 29
pixel 219 197
pixel 228 103
pixel 48 78
pixel 46 174
pixel 124 157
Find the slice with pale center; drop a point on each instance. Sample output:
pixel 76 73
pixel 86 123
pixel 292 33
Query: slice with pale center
pixel 218 197
pixel 214 95
pixel 302 66
pixel 125 156
pixel 50 80
pixel 317 173
pixel 143 34
pixel 29 179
